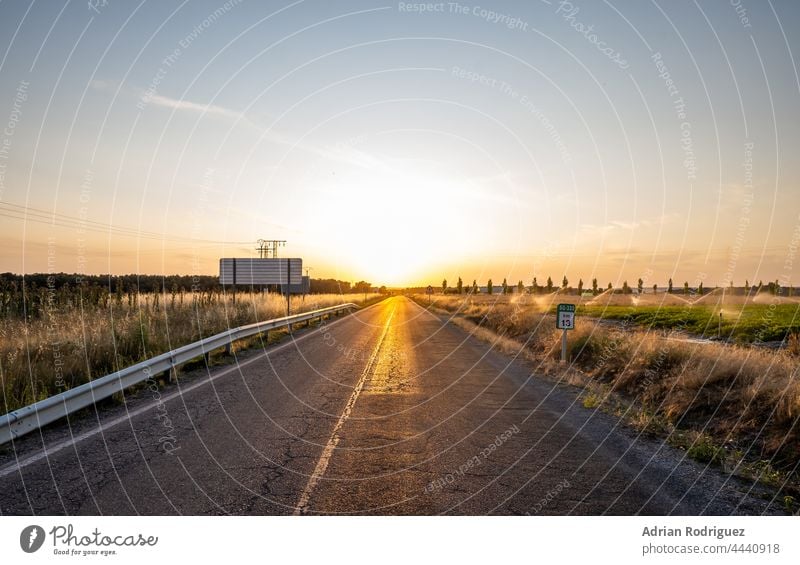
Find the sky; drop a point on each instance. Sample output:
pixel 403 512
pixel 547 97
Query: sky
pixel 403 143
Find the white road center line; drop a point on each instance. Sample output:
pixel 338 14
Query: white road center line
pixel 324 459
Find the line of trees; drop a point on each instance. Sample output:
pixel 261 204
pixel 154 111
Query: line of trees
pixel 33 294
pixel 549 287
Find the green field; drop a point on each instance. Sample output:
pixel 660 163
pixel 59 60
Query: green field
pixel 741 323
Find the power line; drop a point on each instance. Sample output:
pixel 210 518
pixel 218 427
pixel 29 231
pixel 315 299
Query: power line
pixel 37 215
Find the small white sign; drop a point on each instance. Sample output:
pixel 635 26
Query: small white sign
pixel 566 321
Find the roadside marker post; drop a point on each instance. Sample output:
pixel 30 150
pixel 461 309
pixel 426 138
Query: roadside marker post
pixel 565 321
pixel 429 291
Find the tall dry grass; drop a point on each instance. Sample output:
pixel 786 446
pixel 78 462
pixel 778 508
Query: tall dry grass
pixel 68 346
pixel 736 394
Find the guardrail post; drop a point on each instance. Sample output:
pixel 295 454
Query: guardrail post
pixel 229 348
pixel 207 357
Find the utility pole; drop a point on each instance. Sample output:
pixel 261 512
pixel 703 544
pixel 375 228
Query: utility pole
pixel 268 248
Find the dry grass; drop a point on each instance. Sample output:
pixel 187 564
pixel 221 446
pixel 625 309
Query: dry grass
pixel 66 347
pixel 738 395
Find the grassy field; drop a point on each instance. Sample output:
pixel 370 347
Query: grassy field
pixel 739 404
pixel 744 323
pixel 761 318
pixel 71 342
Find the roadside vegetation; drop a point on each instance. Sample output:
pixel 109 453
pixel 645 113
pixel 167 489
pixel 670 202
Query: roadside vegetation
pixel 55 338
pixel 766 314
pixel 736 406
pixel 743 323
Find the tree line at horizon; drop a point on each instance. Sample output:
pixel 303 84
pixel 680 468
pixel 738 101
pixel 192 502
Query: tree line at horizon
pixel 772 287
pixel 32 294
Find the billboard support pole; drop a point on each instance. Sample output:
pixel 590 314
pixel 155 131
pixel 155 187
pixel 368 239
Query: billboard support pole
pixel 289 287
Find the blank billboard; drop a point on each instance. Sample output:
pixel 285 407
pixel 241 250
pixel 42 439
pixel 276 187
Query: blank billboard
pixel 261 271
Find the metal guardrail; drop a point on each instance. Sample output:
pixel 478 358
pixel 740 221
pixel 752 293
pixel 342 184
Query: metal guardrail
pixel 32 417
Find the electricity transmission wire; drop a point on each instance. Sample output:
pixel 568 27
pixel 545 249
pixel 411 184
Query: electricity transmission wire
pixel 37 215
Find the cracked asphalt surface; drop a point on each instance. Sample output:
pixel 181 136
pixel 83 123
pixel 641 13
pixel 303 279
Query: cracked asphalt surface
pixel 391 410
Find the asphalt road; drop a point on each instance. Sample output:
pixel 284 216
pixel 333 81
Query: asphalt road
pixel 391 410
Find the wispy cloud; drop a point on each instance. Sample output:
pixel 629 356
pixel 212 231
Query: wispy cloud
pixel 194 107
pixel 341 153
pixel 350 155
pixel 151 97
pixel 628 225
